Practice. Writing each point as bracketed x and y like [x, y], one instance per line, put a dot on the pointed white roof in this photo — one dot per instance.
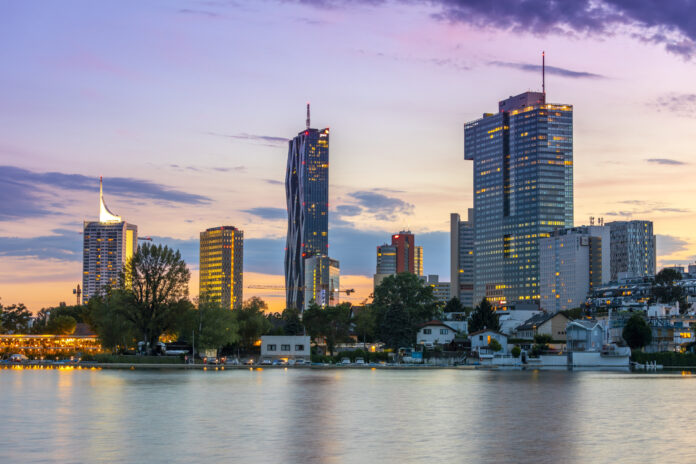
[104, 214]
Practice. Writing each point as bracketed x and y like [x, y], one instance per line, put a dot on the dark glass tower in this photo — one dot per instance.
[523, 190]
[307, 194]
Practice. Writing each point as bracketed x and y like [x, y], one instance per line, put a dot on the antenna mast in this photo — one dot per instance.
[307, 115]
[543, 72]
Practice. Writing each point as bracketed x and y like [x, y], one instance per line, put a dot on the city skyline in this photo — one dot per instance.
[174, 155]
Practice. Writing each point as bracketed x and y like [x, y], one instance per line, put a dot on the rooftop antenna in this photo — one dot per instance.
[307, 115]
[543, 72]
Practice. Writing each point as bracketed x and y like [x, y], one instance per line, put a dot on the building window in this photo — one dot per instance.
[270, 347]
[299, 347]
[480, 338]
[444, 331]
[284, 347]
[427, 331]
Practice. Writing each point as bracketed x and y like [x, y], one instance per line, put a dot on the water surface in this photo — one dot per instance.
[345, 416]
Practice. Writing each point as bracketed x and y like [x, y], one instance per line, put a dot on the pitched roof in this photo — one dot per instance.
[537, 320]
[435, 322]
[487, 330]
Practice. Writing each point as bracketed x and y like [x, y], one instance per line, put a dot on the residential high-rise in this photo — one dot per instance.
[222, 266]
[307, 194]
[322, 281]
[386, 263]
[633, 249]
[523, 190]
[108, 244]
[462, 258]
[418, 261]
[572, 263]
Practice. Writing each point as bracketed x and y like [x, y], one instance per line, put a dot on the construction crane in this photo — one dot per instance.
[149, 239]
[347, 291]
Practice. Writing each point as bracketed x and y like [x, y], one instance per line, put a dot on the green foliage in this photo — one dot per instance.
[495, 345]
[516, 351]
[636, 332]
[484, 317]
[575, 313]
[666, 358]
[666, 290]
[365, 322]
[667, 276]
[543, 339]
[332, 323]
[103, 313]
[61, 325]
[401, 303]
[368, 356]
[212, 325]
[455, 305]
[132, 359]
[154, 283]
[14, 319]
[251, 321]
[292, 325]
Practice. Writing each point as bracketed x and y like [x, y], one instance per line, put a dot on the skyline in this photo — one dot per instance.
[178, 144]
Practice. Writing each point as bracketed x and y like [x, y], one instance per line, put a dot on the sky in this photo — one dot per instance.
[185, 108]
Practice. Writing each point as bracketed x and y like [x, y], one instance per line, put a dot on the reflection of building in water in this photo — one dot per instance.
[47, 345]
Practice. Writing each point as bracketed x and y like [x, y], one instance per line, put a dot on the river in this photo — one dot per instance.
[345, 416]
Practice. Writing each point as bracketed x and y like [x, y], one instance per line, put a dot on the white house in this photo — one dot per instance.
[663, 310]
[481, 339]
[285, 347]
[435, 333]
[585, 335]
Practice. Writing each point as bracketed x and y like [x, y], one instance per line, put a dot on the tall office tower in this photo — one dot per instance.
[462, 258]
[418, 261]
[523, 190]
[386, 263]
[404, 242]
[322, 281]
[108, 244]
[222, 266]
[633, 252]
[572, 263]
[307, 194]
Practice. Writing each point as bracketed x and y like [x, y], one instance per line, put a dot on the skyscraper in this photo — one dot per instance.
[523, 190]
[307, 194]
[572, 262]
[107, 245]
[222, 266]
[401, 256]
[405, 244]
[418, 261]
[386, 263]
[322, 276]
[462, 258]
[633, 249]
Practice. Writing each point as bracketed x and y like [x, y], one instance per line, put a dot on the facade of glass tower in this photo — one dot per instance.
[307, 194]
[222, 266]
[108, 244]
[523, 190]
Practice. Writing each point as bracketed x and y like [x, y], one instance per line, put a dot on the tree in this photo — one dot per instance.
[61, 325]
[401, 303]
[14, 319]
[636, 332]
[292, 325]
[516, 351]
[365, 322]
[484, 317]
[251, 321]
[574, 313]
[495, 345]
[454, 305]
[667, 290]
[212, 326]
[155, 282]
[332, 323]
[105, 317]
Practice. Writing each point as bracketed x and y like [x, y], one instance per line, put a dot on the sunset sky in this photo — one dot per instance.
[185, 108]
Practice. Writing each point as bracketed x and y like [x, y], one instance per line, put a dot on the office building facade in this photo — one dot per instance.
[462, 258]
[633, 249]
[108, 244]
[221, 276]
[523, 190]
[322, 281]
[401, 256]
[572, 263]
[307, 194]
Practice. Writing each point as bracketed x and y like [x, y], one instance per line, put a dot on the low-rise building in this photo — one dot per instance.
[585, 335]
[285, 347]
[553, 324]
[482, 339]
[435, 333]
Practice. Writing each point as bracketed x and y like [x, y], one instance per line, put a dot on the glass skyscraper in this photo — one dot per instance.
[462, 258]
[107, 245]
[222, 266]
[307, 194]
[523, 190]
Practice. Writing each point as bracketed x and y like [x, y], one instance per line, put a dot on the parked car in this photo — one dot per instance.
[345, 361]
[232, 361]
[300, 362]
[249, 362]
[360, 361]
[280, 362]
[266, 362]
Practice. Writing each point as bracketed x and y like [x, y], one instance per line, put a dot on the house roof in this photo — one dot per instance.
[435, 323]
[585, 324]
[537, 320]
[487, 330]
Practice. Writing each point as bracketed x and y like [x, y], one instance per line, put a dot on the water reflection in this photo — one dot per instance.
[346, 416]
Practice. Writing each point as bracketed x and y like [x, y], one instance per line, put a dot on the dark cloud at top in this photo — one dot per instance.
[666, 161]
[267, 212]
[62, 244]
[669, 23]
[536, 68]
[274, 182]
[267, 140]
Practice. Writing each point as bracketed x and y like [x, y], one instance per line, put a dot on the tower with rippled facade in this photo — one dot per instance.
[307, 194]
[523, 190]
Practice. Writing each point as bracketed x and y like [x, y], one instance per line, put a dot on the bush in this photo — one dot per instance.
[515, 351]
